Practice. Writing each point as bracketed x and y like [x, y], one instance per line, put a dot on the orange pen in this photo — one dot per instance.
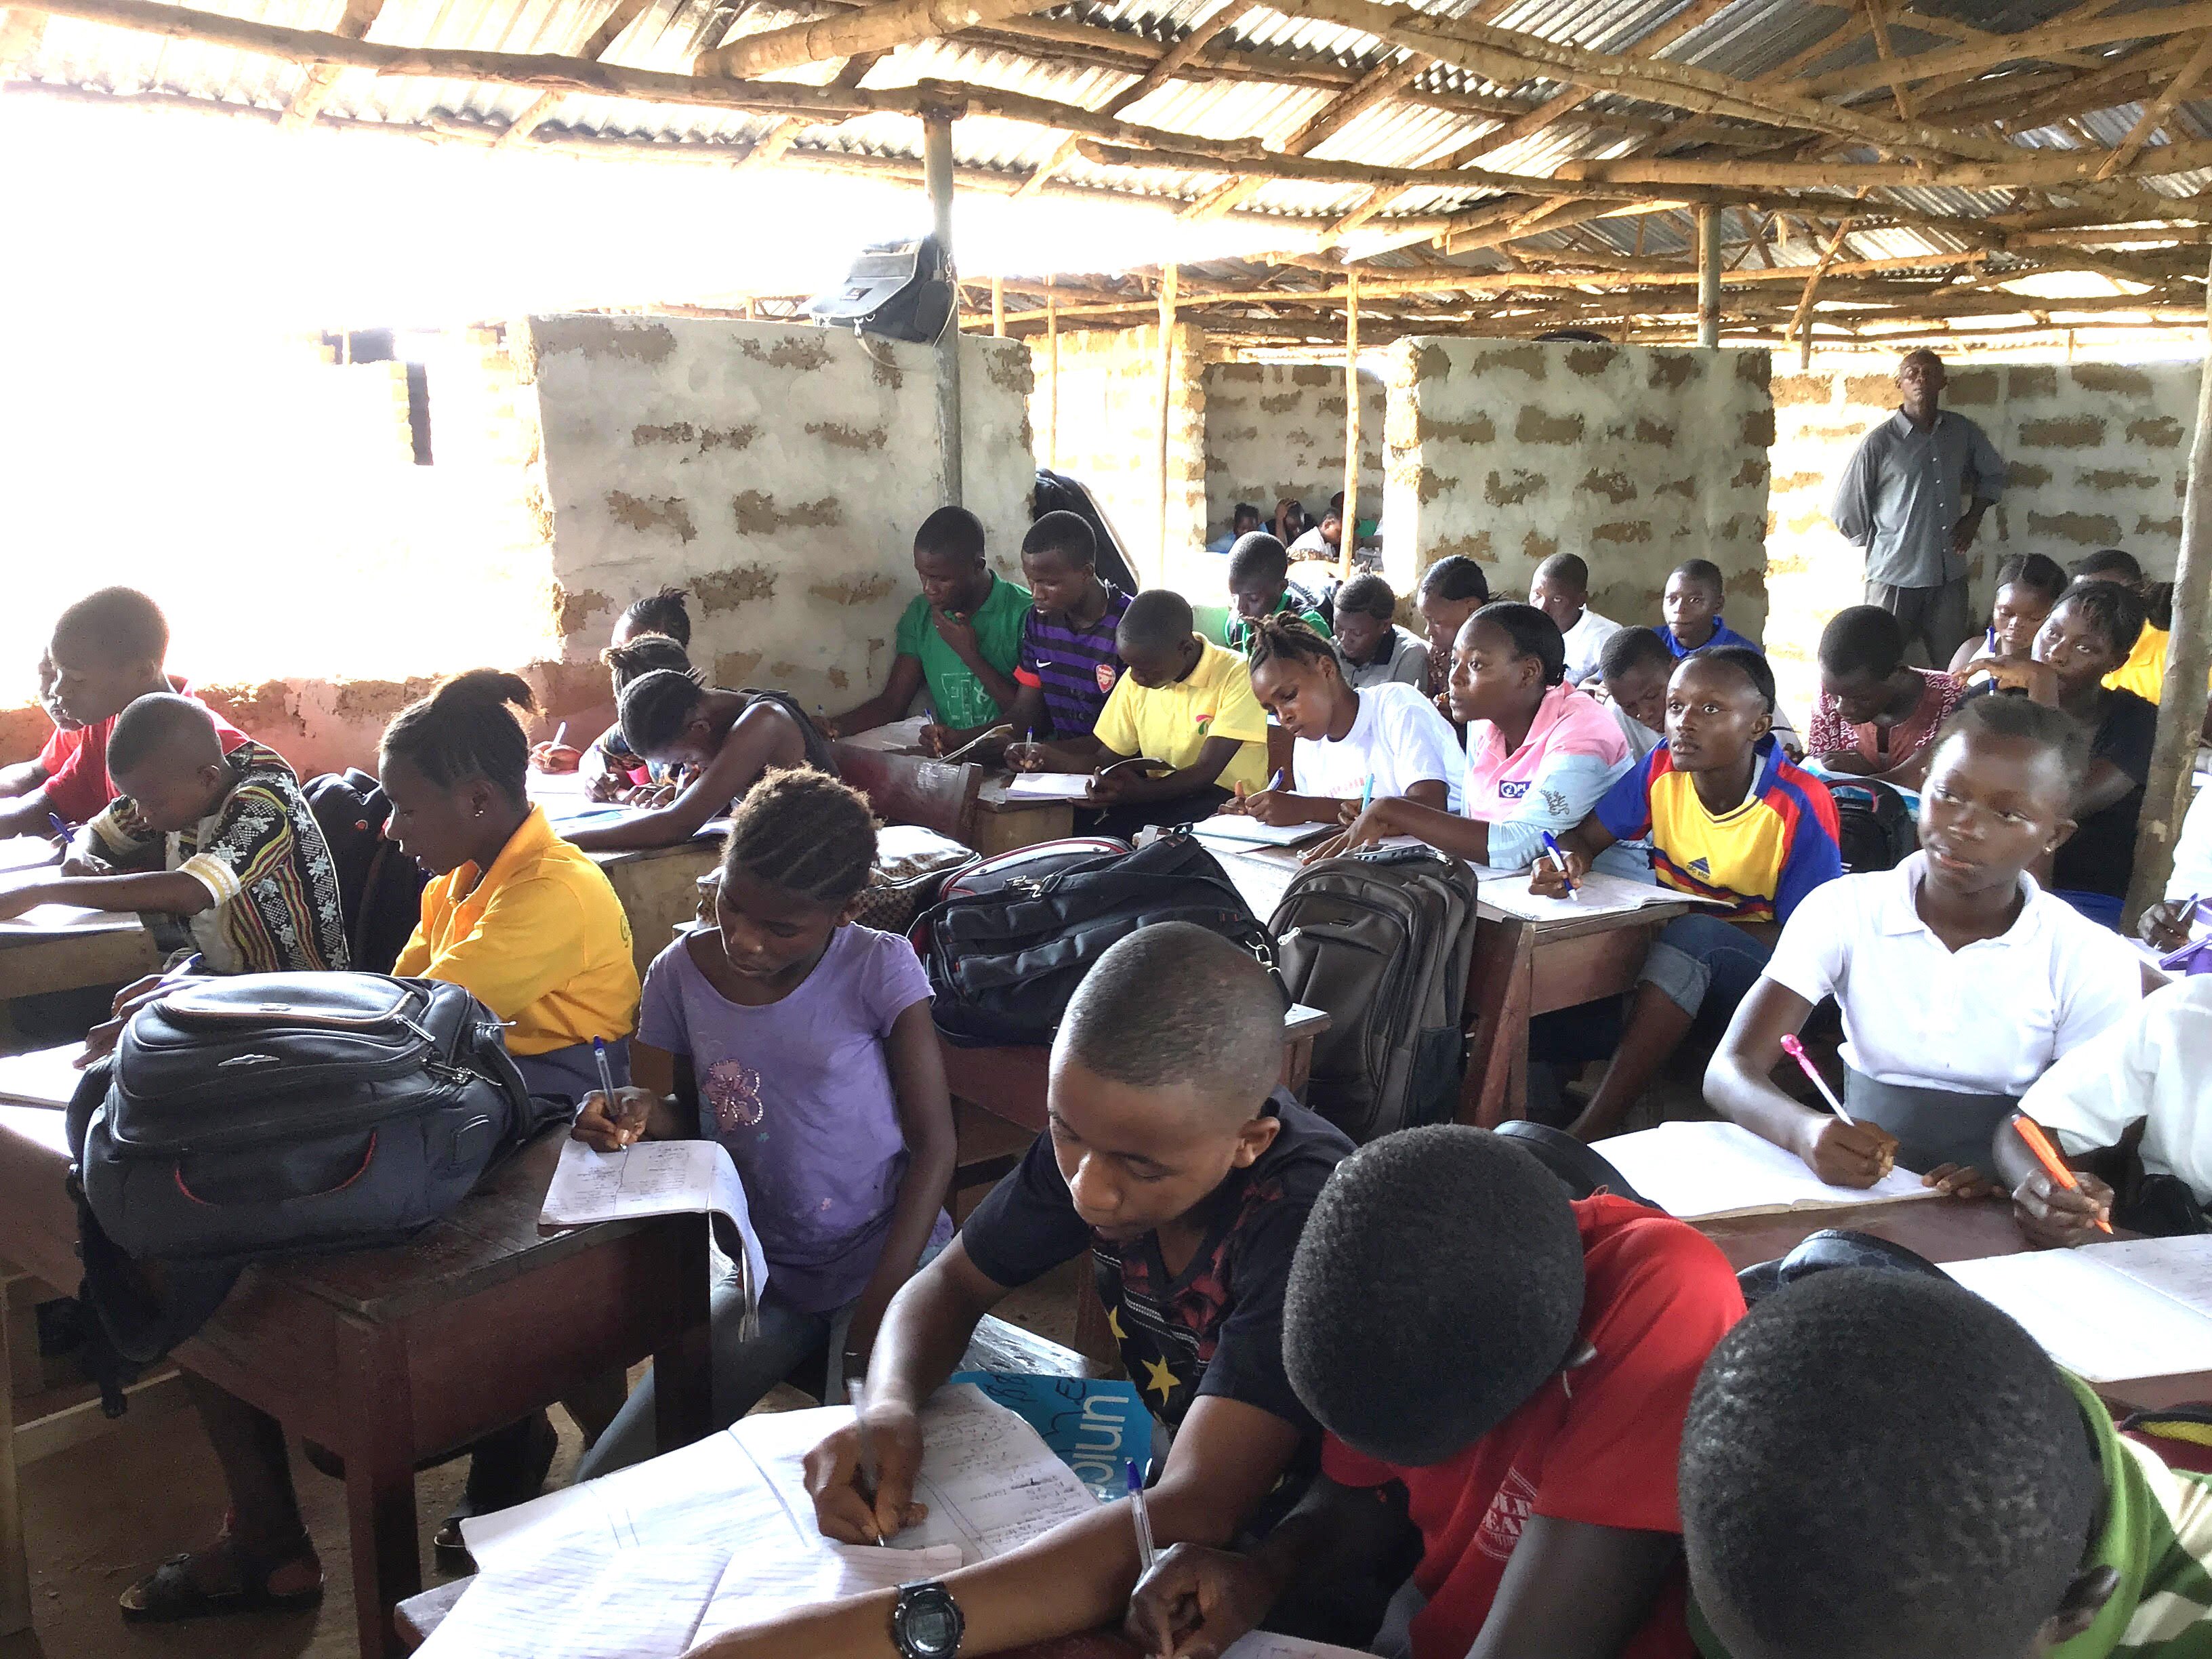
[2047, 1155]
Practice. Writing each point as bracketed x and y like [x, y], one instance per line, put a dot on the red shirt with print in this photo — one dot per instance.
[1597, 1444]
[75, 762]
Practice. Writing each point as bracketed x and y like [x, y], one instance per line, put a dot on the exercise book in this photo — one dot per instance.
[2109, 1313]
[654, 1177]
[1700, 1171]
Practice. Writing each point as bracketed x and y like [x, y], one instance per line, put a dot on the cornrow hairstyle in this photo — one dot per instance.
[803, 831]
[1068, 536]
[646, 654]
[654, 707]
[664, 612]
[1533, 634]
[467, 727]
[1457, 577]
[1258, 557]
[1289, 638]
[1631, 647]
[2116, 611]
[951, 532]
[1747, 662]
[120, 624]
[1703, 572]
[2034, 572]
[156, 723]
[2052, 730]
[1368, 596]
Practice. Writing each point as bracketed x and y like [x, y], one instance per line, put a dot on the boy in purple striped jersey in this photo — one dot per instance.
[1067, 663]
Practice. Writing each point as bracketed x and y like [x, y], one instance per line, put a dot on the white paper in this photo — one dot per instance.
[1265, 1644]
[898, 738]
[2179, 1267]
[2100, 1322]
[581, 1603]
[27, 852]
[654, 1177]
[1240, 828]
[1595, 895]
[1697, 1170]
[43, 1077]
[752, 1591]
[69, 919]
[1048, 786]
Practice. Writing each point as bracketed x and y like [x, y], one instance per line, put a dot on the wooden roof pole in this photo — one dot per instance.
[1347, 532]
[1167, 403]
[2173, 755]
[871, 28]
[596, 46]
[2155, 114]
[1801, 324]
[1708, 277]
[937, 163]
[1387, 77]
[2068, 33]
[315, 86]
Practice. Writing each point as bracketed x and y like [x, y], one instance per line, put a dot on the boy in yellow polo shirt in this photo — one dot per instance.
[1184, 704]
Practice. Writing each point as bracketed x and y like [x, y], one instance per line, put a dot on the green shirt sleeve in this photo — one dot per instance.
[999, 623]
[911, 622]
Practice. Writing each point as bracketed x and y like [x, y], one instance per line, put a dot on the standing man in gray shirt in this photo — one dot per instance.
[1913, 497]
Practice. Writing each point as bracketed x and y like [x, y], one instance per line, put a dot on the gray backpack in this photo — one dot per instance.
[1381, 941]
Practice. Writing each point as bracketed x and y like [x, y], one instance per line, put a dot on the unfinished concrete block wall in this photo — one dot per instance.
[1636, 458]
[1277, 429]
[778, 471]
[1103, 425]
[2097, 455]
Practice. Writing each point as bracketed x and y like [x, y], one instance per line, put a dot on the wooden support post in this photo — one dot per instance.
[1801, 324]
[937, 170]
[2180, 708]
[1708, 277]
[999, 306]
[1052, 371]
[1168, 279]
[1347, 534]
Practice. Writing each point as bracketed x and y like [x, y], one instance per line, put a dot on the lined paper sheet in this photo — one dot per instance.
[43, 1077]
[899, 737]
[654, 1177]
[1698, 1171]
[1597, 895]
[2097, 1318]
[1048, 786]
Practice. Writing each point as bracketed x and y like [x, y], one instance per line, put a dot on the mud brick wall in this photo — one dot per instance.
[777, 471]
[1277, 429]
[1636, 458]
[2097, 455]
[1109, 437]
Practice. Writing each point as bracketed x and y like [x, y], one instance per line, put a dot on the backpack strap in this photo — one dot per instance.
[134, 1325]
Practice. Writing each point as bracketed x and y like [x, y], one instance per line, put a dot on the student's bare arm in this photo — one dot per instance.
[2050, 1217]
[765, 735]
[887, 705]
[21, 778]
[2105, 785]
[925, 1113]
[1226, 1457]
[1200, 774]
[1421, 811]
[1739, 1085]
[27, 814]
[170, 891]
[1575, 1591]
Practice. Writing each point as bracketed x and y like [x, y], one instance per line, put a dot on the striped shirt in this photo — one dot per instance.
[262, 858]
[1759, 858]
[1075, 668]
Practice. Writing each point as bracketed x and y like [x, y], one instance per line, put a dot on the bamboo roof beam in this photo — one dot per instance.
[1933, 22]
[1378, 84]
[2065, 35]
[2041, 168]
[600, 43]
[354, 23]
[871, 28]
[2155, 114]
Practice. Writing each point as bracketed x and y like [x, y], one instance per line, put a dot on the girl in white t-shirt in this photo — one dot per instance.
[1385, 742]
[1960, 979]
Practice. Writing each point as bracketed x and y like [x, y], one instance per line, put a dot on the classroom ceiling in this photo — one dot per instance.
[1500, 167]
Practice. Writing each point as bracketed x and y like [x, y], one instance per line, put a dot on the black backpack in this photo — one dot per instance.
[1013, 937]
[268, 1114]
[1876, 827]
[1381, 941]
[380, 886]
[898, 290]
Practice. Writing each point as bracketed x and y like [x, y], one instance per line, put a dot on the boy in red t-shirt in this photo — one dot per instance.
[1518, 1365]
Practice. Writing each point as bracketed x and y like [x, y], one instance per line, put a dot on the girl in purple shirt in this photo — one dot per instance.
[803, 1042]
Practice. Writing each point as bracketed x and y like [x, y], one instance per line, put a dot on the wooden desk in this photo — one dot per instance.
[1003, 825]
[659, 887]
[389, 1356]
[32, 964]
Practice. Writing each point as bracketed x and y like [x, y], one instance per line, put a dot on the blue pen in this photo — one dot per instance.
[1276, 782]
[1559, 862]
[1143, 1517]
[1367, 795]
[60, 829]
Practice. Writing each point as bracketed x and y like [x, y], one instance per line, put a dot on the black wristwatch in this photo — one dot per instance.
[927, 1622]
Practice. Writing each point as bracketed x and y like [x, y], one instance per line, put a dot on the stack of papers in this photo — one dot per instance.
[2109, 1313]
[1699, 1171]
[899, 737]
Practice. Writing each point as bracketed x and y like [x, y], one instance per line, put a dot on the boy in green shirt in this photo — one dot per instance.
[1259, 586]
[962, 636]
[1883, 1466]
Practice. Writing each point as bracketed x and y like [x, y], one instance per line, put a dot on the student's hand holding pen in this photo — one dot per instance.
[607, 1126]
[2165, 925]
[1275, 806]
[1028, 756]
[606, 786]
[1197, 1602]
[1848, 1154]
[2051, 1218]
[1548, 880]
[846, 1508]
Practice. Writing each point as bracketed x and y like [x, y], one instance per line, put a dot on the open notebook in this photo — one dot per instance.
[2109, 1313]
[1235, 829]
[43, 1077]
[1696, 1172]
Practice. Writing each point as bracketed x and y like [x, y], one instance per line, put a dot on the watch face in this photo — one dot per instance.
[934, 1628]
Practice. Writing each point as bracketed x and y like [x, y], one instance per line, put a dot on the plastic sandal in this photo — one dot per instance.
[170, 1594]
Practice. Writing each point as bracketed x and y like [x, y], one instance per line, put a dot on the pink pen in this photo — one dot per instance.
[1795, 1050]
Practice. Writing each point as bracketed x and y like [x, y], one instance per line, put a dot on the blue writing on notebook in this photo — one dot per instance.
[1095, 1427]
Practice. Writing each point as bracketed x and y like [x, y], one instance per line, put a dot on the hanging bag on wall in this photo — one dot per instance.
[899, 291]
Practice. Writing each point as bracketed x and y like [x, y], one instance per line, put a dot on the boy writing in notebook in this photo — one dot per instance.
[226, 844]
[1182, 715]
[1511, 1367]
[1175, 1160]
[1883, 1466]
[960, 637]
[107, 650]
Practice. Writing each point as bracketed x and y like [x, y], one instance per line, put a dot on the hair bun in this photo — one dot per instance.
[486, 685]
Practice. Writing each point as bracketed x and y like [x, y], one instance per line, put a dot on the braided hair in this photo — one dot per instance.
[467, 727]
[1288, 638]
[644, 655]
[664, 612]
[804, 832]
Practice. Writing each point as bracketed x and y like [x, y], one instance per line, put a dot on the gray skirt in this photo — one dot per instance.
[1932, 1126]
